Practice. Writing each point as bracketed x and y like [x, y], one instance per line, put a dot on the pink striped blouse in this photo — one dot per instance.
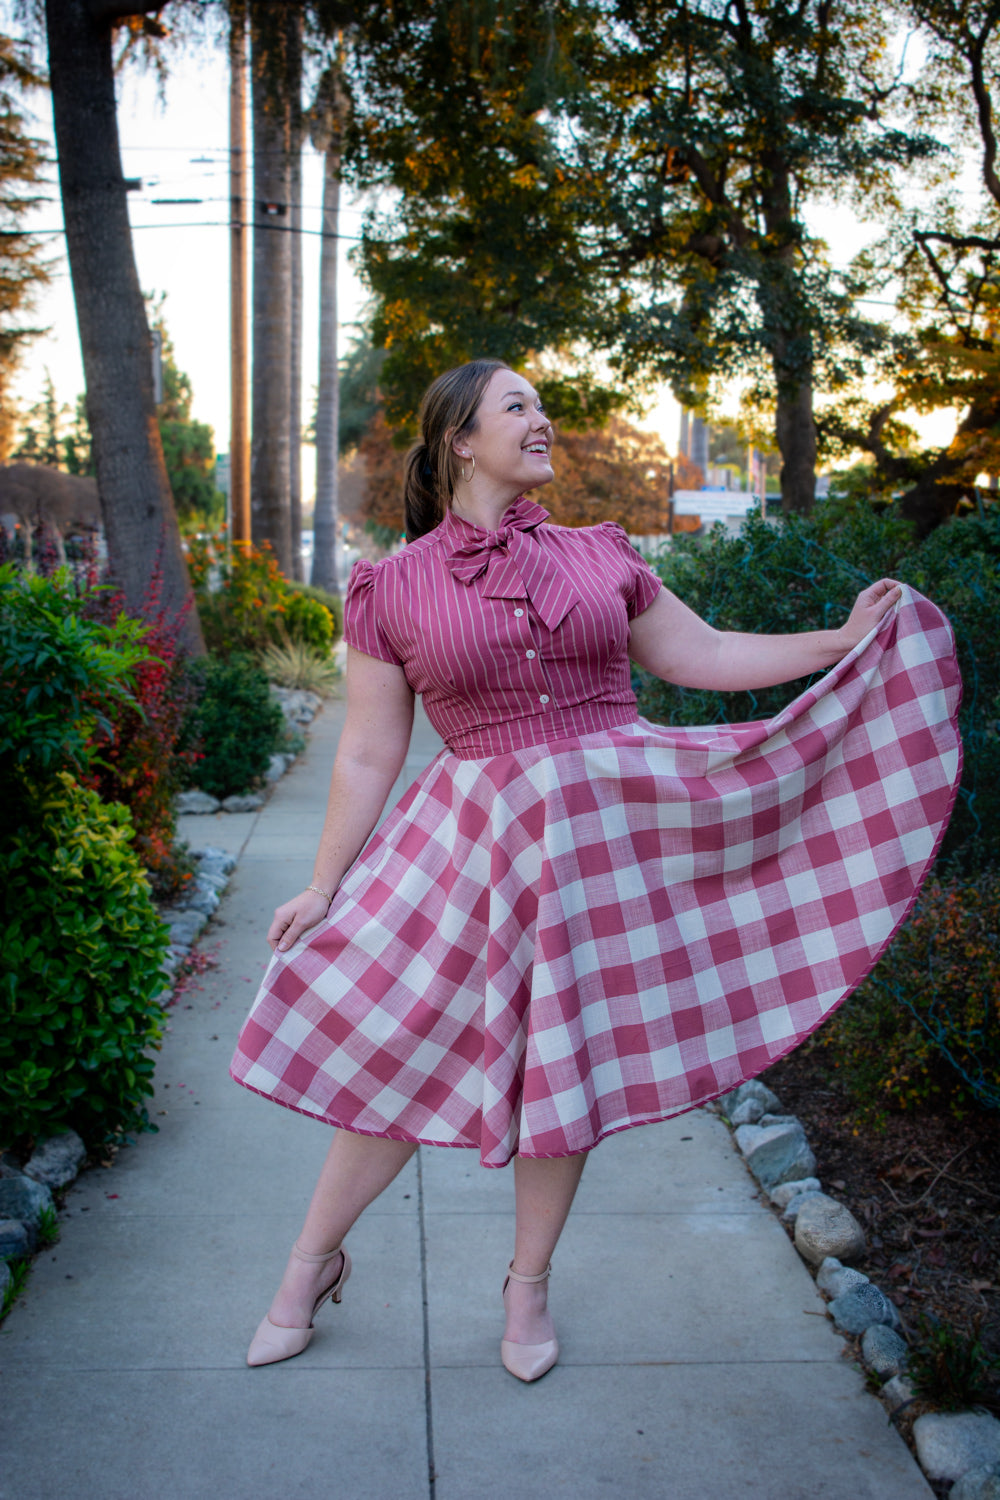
[514, 637]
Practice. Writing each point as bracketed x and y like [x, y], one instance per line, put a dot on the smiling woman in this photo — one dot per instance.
[575, 921]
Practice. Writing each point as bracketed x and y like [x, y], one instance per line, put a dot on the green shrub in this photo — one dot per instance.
[234, 727]
[63, 677]
[924, 1028]
[308, 622]
[79, 969]
[296, 666]
[333, 602]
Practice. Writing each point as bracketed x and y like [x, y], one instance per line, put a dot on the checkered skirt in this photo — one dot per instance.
[544, 947]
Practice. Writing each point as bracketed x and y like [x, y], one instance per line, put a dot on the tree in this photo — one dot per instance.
[946, 260]
[188, 445]
[326, 127]
[41, 434]
[22, 264]
[631, 178]
[139, 519]
[271, 396]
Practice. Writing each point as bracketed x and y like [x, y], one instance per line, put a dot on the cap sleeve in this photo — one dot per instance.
[643, 585]
[362, 629]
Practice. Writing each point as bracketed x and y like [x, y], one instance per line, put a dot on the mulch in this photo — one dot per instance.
[925, 1188]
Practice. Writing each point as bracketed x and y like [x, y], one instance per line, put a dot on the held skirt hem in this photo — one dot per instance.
[543, 948]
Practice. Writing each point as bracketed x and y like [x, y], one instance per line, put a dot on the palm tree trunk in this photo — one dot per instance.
[140, 524]
[327, 125]
[294, 28]
[270, 503]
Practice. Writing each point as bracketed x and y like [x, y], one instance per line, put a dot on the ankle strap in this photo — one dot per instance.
[314, 1260]
[529, 1280]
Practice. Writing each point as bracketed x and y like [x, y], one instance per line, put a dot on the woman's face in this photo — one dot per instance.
[512, 441]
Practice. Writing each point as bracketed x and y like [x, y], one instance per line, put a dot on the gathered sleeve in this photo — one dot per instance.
[643, 585]
[362, 628]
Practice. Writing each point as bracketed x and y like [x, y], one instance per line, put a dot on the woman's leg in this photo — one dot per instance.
[357, 1169]
[544, 1190]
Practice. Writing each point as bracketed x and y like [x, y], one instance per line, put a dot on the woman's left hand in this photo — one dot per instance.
[870, 606]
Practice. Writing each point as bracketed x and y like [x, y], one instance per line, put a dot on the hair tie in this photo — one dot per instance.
[426, 472]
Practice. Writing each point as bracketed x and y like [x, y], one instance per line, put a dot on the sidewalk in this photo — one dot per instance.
[697, 1360]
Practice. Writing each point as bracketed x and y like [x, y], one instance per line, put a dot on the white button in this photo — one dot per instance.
[518, 613]
[530, 655]
[544, 698]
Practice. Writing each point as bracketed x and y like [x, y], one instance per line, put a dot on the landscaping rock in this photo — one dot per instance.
[776, 1153]
[858, 1309]
[896, 1393]
[756, 1095]
[14, 1239]
[171, 962]
[794, 1207]
[211, 880]
[210, 858]
[184, 924]
[277, 766]
[835, 1279]
[25, 1199]
[950, 1444]
[297, 705]
[978, 1484]
[825, 1227]
[249, 802]
[783, 1195]
[201, 897]
[196, 802]
[883, 1350]
[58, 1160]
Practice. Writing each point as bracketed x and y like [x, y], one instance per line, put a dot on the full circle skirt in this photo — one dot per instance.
[541, 948]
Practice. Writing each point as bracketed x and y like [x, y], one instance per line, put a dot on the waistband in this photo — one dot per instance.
[541, 729]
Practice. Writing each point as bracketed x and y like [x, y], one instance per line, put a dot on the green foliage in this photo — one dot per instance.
[79, 969]
[188, 445]
[803, 574]
[297, 666]
[952, 1368]
[245, 603]
[924, 1029]
[333, 602]
[20, 1270]
[48, 1227]
[235, 726]
[309, 622]
[63, 677]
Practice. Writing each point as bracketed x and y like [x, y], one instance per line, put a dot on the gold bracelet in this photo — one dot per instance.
[316, 888]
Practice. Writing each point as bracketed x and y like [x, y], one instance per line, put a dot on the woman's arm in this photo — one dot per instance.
[370, 756]
[674, 643]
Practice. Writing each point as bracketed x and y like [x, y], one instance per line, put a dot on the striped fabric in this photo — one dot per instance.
[551, 942]
[515, 637]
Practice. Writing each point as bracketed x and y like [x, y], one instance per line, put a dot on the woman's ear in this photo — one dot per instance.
[459, 444]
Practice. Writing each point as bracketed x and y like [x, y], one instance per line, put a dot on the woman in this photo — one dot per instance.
[574, 921]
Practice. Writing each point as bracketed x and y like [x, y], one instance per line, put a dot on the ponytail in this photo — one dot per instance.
[448, 409]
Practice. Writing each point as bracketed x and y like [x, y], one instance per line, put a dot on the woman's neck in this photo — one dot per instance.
[481, 509]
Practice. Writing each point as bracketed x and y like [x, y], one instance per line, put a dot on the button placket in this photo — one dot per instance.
[539, 684]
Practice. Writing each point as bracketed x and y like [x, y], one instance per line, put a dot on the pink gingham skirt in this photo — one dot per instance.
[544, 947]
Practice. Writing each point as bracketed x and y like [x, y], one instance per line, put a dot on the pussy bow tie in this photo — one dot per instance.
[517, 565]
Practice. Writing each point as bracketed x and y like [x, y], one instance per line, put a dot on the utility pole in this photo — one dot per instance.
[239, 379]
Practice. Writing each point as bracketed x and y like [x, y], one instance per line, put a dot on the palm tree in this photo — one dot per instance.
[139, 521]
[326, 126]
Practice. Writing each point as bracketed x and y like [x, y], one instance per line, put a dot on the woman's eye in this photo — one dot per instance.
[515, 406]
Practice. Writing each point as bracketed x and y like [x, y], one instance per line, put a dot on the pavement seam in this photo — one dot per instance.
[428, 1400]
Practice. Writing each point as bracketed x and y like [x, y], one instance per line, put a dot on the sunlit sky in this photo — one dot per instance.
[176, 142]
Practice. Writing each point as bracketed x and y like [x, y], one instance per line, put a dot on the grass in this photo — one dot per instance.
[296, 666]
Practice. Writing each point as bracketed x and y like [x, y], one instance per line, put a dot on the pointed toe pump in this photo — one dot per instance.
[272, 1342]
[528, 1361]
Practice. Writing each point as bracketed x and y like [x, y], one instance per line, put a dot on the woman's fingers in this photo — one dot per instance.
[295, 918]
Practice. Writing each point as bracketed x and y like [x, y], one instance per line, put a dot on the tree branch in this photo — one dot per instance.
[984, 107]
[109, 12]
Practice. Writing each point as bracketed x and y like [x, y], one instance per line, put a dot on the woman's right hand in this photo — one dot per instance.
[295, 918]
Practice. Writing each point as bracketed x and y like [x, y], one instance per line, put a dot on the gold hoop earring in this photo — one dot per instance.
[468, 478]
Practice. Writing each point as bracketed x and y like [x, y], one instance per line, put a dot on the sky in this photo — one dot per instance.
[175, 140]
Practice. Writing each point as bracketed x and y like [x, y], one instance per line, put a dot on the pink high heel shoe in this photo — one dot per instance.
[272, 1342]
[528, 1361]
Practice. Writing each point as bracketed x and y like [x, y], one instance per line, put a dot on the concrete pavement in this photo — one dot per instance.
[697, 1359]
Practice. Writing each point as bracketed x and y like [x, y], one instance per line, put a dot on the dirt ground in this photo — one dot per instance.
[926, 1190]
